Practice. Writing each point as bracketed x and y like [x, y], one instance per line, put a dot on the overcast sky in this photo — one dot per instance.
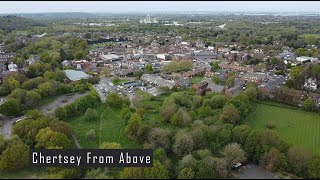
[143, 6]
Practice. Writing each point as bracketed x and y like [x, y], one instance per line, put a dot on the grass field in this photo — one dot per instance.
[109, 128]
[312, 35]
[294, 126]
[196, 79]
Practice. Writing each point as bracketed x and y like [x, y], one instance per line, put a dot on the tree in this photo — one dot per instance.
[114, 100]
[11, 107]
[220, 166]
[91, 135]
[19, 94]
[158, 171]
[181, 118]
[60, 75]
[47, 89]
[91, 115]
[204, 171]
[314, 167]
[98, 173]
[133, 126]
[240, 133]
[110, 145]
[252, 93]
[309, 104]
[183, 144]
[298, 159]
[148, 68]
[63, 173]
[115, 81]
[159, 138]
[61, 113]
[49, 75]
[187, 161]
[12, 83]
[94, 79]
[230, 114]
[230, 81]
[186, 173]
[79, 55]
[271, 160]
[46, 138]
[15, 157]
[32, 99]
[61, 127]
[168, 108]
[233, 153]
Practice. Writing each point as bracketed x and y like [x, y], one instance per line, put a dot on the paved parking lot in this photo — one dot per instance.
[255, 172]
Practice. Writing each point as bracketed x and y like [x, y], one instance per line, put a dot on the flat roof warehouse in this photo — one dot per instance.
[76, 75]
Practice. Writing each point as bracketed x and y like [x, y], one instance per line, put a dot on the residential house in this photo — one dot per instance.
[183, 82]
[33, 60]
[234, 90]
[13, 67]
[205, 55]
[6, 57]
[236, 68]
[157, 80]
[81, 64]
[311, 84]
[195, 72]
[255, 77]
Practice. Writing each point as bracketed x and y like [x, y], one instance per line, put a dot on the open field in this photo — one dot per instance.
[311, 35]
[109, 128]
[294, 126]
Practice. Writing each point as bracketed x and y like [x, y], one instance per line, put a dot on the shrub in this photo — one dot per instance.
[270, 125]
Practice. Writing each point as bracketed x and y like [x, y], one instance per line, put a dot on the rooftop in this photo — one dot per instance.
[76, 75]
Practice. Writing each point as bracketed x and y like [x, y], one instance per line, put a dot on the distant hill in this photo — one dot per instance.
[56, 15]
[10, 23]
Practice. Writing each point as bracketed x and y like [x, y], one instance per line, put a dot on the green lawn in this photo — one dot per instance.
[294, 126]
[196, 79]
[109, 128]
[312, 35]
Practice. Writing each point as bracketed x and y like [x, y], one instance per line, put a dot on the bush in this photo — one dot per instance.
[91, 135]
[270, 125]
[91, 115]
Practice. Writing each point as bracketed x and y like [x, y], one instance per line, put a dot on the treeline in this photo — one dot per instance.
[25, 94]
[79, 106]
[10, 23]
[204, 137]
[176, 66]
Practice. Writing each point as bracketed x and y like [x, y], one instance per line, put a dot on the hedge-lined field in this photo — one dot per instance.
[294, 126]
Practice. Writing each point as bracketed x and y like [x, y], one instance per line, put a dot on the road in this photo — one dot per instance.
[49, 108]
[7, 124]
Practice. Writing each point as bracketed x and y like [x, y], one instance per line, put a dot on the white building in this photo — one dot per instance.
[148, 20]
[304, 58]
[13, 67]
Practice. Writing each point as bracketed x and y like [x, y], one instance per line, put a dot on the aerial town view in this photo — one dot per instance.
[227, 90]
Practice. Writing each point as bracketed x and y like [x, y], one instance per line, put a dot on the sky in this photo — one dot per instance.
[149, 6]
